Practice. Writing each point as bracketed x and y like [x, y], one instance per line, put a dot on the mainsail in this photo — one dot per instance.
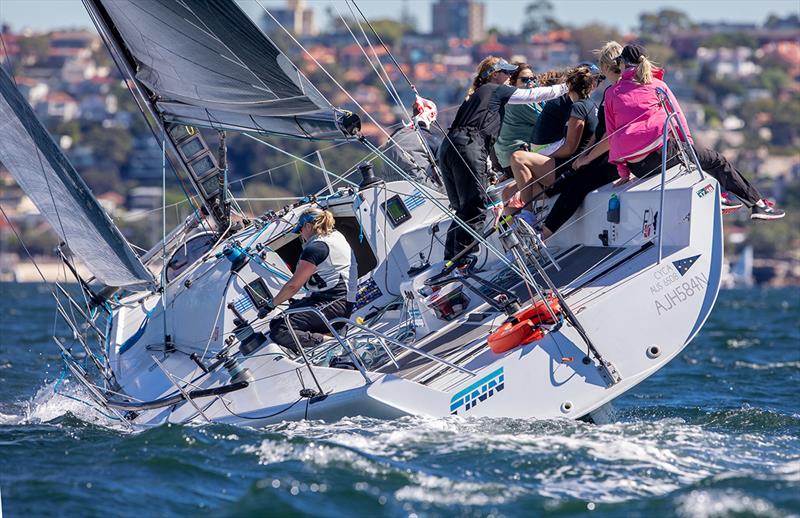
[207, 64]
[46, 176]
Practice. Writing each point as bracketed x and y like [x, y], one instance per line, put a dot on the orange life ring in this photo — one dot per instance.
[510, 335]
[538, 313]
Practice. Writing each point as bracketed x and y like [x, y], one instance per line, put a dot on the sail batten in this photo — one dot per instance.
[46, 176]
[209, 61]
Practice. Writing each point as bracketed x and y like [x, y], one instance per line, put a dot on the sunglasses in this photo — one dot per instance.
[527, 80]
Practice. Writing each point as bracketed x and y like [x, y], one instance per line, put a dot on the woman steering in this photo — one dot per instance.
[328, 270]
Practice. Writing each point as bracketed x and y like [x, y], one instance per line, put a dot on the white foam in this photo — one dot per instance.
[47, 405]
[716, 503]
[768, 365]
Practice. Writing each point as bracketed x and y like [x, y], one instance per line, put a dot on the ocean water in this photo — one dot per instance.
[715, 433]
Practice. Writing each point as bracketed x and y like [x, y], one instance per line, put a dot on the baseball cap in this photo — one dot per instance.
[306, 217]
[593, 69]
[501, 64]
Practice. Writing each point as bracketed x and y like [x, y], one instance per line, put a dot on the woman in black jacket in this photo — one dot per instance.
[463, 154]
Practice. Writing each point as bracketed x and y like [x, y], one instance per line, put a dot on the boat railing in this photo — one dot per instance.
[672, 117]
[359, 364]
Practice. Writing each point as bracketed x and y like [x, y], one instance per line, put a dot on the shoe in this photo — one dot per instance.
[768, 211]
[729, 206]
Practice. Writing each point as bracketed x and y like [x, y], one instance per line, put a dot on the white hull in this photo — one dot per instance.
[638, 313]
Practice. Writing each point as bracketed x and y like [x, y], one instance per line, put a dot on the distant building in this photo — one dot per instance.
[59, 106]
[464, 19]
[144, 163]
[144, 198]
[296, 17]
[732, 63]
[33, 90]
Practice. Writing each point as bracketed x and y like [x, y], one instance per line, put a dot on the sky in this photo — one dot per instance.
[46, 15]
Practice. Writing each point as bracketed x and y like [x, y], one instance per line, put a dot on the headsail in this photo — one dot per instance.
[209, 65]
[46, 176]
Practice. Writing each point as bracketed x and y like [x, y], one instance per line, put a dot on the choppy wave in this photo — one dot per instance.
[716, 433]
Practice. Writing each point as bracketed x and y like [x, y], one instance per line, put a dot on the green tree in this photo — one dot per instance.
[540, 17]
[391, 31]
[662, 24]
[34, 48]
[774, 80]
[730, 40]
[112, 144]
[592, 36]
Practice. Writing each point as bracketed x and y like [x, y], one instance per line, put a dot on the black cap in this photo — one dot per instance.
[632, 53]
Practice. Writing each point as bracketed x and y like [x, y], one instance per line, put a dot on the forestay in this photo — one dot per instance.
[47, 177]
[209, 65]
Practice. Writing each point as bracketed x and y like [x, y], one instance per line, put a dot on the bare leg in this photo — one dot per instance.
[531, 173]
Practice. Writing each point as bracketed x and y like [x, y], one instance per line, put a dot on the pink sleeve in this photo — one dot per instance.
[611, 128]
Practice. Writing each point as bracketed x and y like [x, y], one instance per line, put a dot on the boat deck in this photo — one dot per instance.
[466, 338]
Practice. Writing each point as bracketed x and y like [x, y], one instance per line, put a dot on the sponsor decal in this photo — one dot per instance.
[478, 392]
[708, 189]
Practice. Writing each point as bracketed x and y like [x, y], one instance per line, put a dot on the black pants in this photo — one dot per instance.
[308, 327]
[712, 163]
[575, 185]
[465, 184]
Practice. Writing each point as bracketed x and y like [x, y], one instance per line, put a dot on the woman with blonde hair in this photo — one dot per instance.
[327, 269]
[635, 123]
[463, 154]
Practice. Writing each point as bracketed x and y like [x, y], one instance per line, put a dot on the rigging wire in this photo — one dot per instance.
[435, 122]
[459, 222]
[164, 228]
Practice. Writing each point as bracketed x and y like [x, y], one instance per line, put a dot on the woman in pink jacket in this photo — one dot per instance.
[635, 125]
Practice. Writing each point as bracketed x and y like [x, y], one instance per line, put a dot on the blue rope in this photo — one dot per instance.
[270, 269]
[356, 206]
[258, 234]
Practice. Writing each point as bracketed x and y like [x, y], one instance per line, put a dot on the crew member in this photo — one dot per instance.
[463, 154]
[413, 148]
[635, 124]
[328, 270]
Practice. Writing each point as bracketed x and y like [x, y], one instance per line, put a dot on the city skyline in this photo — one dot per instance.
[44, 15]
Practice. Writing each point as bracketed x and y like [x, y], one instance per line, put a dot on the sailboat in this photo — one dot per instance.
[180, 334]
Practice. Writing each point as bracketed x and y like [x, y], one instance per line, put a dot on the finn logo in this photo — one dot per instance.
[684, 264]
[478, 392]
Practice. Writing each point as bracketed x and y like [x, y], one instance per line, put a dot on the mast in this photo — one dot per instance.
[146, 102]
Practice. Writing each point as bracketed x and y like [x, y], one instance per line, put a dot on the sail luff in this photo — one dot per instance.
[63, 198]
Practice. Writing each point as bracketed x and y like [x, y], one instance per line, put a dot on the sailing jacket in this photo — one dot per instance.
[635, 118]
